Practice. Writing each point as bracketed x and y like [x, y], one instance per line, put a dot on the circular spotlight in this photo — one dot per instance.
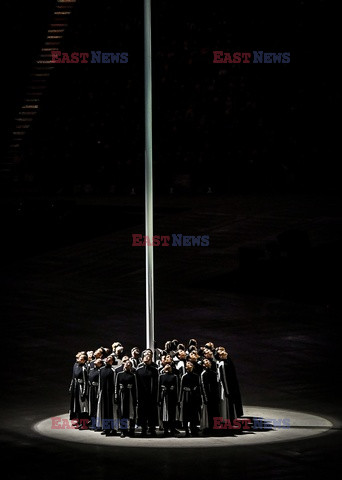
[268, 425]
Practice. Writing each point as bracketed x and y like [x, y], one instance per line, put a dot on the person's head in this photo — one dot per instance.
[207, 363]
[115, 345]
[208, 353]
[181, 354]
[168, 346]
[210, 345]
[98, 363]
[174, 344]
[223, 355]
[128, 365]
[119, 351]
[181, 346]
[193, 357]
[218, 349]
[109, 360]
[106, 351]
[162, 360]
[90, 354]
[147, 358]
[98, 353]
[168, 359]
[82, 352]
[192, 348]
[189, 367]
[135, 352]
[192, 341]
[200, 351]
[167, 368]
[125, 358]
[82, 358]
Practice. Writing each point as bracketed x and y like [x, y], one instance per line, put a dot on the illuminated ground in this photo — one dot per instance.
[301, 426]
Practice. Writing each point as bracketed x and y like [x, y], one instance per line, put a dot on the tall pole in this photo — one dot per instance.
[148, 177]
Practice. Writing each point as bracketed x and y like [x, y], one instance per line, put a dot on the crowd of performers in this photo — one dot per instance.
[178, 387]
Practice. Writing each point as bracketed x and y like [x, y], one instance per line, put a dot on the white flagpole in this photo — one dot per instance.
[148, 177]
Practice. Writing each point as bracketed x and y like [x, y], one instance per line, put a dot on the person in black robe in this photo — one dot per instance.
[147, 381]
[190, 400]
[126, 398]
[105, 404]
[93, 383]
[210, 397]
[230, 397]
[79, 408]
[117, 369]
[168, 399]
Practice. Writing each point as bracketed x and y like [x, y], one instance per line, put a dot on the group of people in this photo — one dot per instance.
[174, 388]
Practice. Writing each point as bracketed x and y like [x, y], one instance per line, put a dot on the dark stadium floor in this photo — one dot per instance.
[279, 317]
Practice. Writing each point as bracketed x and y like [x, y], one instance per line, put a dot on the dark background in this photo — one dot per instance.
[263, 138]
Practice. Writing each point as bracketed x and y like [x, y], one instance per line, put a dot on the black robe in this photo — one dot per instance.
[126, 395]
[79, 390]
[93, 382]
[190, 399]
[168, 397]
[210, 398]
[105, 406]
[230, 397]
[147, 381]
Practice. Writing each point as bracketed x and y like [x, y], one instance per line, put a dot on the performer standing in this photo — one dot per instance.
[210, 397]
[230, 398]
[93, 382]
[190, 400]
[168, 399]
[78, 389]
[126, 398]
[147, 381]
[105, 405]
